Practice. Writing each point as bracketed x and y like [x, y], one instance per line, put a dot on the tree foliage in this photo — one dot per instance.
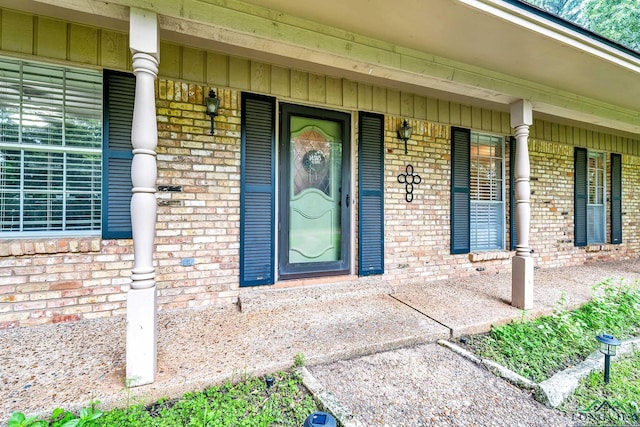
[566, 9]
[617, 20]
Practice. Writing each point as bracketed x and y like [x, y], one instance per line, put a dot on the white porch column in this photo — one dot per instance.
[141, 299]
[522, 262]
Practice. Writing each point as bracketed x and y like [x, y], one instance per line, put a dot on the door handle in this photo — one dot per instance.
[347, 201]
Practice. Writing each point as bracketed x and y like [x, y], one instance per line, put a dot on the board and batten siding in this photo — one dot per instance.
[63, 42]
[55, 40]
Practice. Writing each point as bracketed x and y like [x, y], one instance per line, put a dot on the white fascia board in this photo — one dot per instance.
[556, 31]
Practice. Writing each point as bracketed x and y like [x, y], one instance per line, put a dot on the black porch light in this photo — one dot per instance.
[404, 133]
[213, 103]
[608, 346]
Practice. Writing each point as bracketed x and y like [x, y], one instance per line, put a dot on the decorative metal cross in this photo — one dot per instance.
[409, 179]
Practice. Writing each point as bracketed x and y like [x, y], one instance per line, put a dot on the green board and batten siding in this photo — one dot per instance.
[52, 39]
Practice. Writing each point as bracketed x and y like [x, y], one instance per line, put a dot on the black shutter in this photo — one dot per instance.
[513, 232]
[616, 198]
[371, 195]
[460, 190]
[580, 196]
[257, 193]
[119, 94]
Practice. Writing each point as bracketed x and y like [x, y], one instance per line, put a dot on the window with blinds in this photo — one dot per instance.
[596, 190]
[50, 149]
[487, 216]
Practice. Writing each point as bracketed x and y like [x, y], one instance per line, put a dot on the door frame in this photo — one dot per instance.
[317, 269]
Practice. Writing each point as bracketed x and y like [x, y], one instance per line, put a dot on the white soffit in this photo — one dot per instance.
[562, 33]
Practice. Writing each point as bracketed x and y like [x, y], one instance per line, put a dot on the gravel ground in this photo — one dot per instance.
[50, 365]
[429, 385]
[69, 365]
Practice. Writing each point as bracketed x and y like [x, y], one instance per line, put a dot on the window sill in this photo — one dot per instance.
[488, 256]
[605, 247]
[21, 247]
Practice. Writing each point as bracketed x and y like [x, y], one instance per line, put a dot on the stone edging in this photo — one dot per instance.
[327, 401]
[492, 366]
[555, 390]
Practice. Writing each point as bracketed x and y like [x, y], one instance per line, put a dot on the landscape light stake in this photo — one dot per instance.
[318, 419]
[608, 345]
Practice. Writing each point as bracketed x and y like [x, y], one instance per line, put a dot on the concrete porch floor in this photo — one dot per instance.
[69, 365]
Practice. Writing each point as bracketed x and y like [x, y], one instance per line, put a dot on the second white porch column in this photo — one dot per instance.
[522, 262]
[141, 299]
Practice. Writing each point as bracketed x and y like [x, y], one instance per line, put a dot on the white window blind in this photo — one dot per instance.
[50, 149]
[596, 187]
[487, 217]
[487, 225]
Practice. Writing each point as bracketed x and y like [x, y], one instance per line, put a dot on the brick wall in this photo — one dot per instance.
[51, 281]
[631, 205]
[552, 231]
[551, 235]
[197, 239]
[200, 223]
[418, 244]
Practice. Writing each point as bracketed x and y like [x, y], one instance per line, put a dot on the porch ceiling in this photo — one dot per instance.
[490, 34]
[481, 33]
[480, 52]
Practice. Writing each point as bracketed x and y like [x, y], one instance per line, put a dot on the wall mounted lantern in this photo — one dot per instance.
[213, 103]
[404, 133]
[608, 345]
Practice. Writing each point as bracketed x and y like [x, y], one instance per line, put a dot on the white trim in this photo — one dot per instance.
[276, 192]
[353, 248]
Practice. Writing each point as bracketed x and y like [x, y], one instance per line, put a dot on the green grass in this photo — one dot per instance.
[622, 393]
[537, 349]
[247, 403]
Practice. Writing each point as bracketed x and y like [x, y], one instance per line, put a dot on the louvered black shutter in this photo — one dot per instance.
[257, 198]
[371, 195]
[616, 198]
[119, 93]
[513, 232]
[460, 190]
[580, 196]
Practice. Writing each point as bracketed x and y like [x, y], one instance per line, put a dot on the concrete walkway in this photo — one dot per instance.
[71, 364]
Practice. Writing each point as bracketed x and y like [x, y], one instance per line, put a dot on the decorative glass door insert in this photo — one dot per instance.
[314, 228]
